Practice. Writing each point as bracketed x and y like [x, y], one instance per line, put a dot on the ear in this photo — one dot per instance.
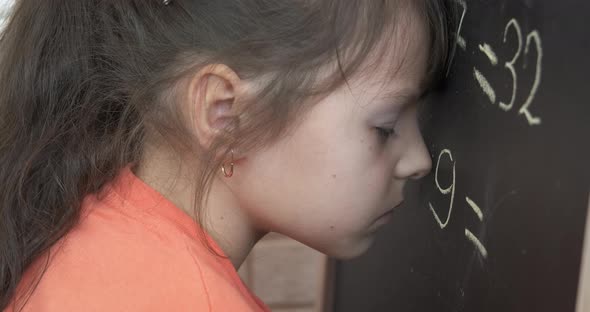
[212, 96]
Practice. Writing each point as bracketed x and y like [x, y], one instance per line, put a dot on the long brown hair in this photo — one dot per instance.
[85, 84]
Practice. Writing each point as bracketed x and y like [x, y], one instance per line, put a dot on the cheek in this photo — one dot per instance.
[345, 184]
[318, 187]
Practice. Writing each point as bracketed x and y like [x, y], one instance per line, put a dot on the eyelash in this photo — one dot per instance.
[385, 133]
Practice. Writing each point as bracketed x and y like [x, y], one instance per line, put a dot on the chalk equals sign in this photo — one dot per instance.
[480, 247]
[480, 78]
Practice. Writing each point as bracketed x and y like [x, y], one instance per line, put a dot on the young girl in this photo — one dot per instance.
[146, 146]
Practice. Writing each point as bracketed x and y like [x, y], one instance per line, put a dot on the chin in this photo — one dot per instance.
[351, 250]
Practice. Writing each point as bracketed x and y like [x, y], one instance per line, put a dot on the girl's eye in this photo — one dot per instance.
[385, 133]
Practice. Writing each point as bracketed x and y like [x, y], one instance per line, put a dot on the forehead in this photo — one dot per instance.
[400, 59]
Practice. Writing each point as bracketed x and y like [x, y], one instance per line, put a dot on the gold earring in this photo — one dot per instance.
[231, 166]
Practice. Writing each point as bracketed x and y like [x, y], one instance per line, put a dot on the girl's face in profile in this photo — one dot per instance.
[330, 181]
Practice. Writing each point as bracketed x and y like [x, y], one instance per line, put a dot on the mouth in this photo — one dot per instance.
[390, 211]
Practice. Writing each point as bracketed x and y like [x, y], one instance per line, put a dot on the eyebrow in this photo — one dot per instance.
[403, 96]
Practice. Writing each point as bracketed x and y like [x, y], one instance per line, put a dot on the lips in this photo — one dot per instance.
[392, 209]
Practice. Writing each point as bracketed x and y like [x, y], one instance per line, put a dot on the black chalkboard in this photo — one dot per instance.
[510, 138]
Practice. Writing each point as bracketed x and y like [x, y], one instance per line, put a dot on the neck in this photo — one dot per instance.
[221, 216]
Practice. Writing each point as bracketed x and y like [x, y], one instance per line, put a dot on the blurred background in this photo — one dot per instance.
[287, 275]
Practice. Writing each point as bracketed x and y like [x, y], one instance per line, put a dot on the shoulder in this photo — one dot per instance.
[122, 258]
[113, 262]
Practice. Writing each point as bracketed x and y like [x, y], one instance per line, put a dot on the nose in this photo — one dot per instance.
[415, 161]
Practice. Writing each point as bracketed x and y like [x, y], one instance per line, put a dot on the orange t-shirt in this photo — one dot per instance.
[134, 250]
